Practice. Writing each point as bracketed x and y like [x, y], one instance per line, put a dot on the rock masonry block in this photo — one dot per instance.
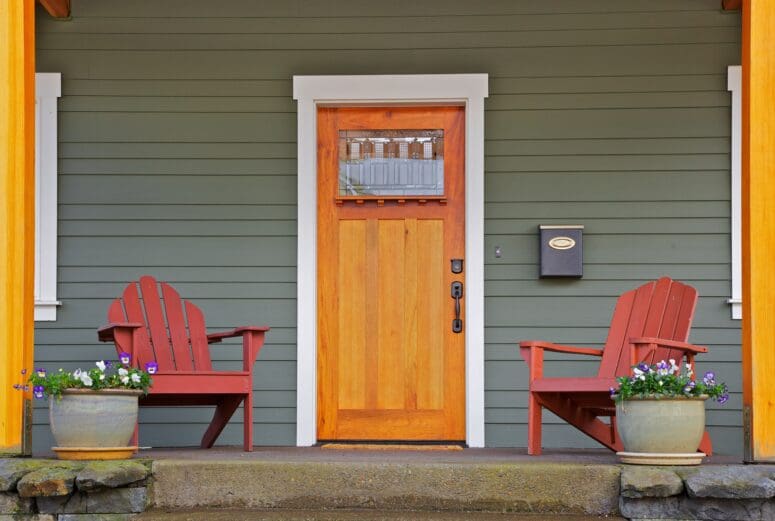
[50, 481]
[110, 474]
[640, 482]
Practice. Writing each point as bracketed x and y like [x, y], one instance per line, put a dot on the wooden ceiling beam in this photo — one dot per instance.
[57, 8]
[731, 5]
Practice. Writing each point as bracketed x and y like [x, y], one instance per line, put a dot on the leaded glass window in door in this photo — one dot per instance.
[391, 163]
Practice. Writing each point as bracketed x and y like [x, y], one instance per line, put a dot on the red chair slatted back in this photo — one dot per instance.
[662, 309]
[166, 339]
[198, 333]
[177, 328]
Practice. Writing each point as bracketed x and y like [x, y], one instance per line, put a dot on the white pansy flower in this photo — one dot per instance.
[86, 379]
[102, 376]
[136, 378]
[124, 380]
[122, 372]
[101, 365]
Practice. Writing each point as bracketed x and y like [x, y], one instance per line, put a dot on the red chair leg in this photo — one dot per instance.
[223, 412]
[247, 420]
[134, 441]
[533, 426]
[706, 445]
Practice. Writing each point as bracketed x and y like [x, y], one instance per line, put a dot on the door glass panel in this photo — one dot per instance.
[391, 163]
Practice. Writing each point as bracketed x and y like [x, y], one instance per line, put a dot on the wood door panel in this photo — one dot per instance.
[352, 290]
[432, 302]
[390, 315]
[391, 425]
[389, 366]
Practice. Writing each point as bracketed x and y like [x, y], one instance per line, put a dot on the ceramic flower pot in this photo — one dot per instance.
[669, 427]
[94, 424]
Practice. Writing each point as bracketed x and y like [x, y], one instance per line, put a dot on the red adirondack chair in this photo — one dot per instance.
[650, 323]
[185, 374]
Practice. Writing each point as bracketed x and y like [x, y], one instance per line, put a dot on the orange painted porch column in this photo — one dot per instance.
[758, 156]
[17, 214]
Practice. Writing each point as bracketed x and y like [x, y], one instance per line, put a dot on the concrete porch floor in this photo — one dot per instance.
[470, 456]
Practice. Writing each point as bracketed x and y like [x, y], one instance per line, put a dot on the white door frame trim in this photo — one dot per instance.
[468, 90]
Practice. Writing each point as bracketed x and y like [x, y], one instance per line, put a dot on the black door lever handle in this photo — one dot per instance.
[457, 294]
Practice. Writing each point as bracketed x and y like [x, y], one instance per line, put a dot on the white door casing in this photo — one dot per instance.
[468, 90]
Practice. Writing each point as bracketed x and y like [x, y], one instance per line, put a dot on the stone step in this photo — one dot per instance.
[517, 487]
[353, 515]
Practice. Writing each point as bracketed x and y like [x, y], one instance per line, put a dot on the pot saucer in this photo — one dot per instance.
[661, 458]
[94, 453]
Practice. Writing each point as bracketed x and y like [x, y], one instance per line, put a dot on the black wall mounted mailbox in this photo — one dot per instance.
[561, 250]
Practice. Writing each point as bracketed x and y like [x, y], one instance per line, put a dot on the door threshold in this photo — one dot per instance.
[392, 445]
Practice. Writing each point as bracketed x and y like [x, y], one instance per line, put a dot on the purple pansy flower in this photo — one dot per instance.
[723, 398]
[612, 391]
[41, 372]
[709, 378]
[37, 391]
[644, 367]
[124, 357]
[151, 367]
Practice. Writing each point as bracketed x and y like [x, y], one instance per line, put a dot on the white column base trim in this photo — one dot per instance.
[46, 311]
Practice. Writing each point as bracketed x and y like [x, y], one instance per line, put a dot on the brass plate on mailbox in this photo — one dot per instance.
[562, 243]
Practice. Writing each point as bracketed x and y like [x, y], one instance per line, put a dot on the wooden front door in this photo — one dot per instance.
[390, 220]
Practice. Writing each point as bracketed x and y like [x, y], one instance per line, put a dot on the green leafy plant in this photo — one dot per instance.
[668, 380]
[105, 375]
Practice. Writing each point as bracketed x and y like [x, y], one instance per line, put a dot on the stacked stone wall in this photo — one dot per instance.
[47, 490]
[711, 492]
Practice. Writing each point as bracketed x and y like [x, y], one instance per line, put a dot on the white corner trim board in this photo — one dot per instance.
[468, 90]
[48, 88]
[735, 86]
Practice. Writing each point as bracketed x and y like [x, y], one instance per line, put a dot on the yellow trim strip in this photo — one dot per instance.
[758, 156]
[17, 207]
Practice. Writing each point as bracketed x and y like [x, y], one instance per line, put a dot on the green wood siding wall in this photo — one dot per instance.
[178, 158]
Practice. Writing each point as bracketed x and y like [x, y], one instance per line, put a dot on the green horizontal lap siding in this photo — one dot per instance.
[178, 158]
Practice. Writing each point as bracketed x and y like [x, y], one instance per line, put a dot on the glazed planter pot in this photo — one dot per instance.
[90, 424]
[661, 430]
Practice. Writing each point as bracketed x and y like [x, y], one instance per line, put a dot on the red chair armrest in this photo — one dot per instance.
[559, 348]
[252, 341]
[213, 338]
[672, 344]
[532, 352]
[107, 332]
